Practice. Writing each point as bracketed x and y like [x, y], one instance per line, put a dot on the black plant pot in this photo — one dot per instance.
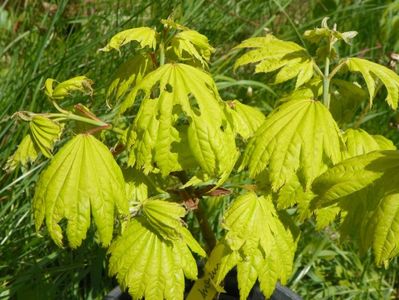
[231, 288]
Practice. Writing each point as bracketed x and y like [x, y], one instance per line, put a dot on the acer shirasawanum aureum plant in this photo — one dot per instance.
[169, 143]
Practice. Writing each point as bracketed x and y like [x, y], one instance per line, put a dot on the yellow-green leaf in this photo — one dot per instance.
[63, 89]
[26, 152]
[359, 142]
[377, 168]
[191, 45]
[371, 72]
[271, 54]
[164, 217]
[181, 114]
[127, 76]
[261, 247]
[245, 119]
[150, 266]
[145, 36]
[82, 179]
[44, 133]
[300, 137]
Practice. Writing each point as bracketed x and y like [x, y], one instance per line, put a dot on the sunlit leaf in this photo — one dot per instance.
[189, 44]
[164, 217]
[372, 72]
[145, 36]
[246, 119]
[150, 266]
[288, 59]
[82, 179]
[44, 133]
[181, 114]
[257, 242]
[26, 152]
[300, 137]
[127, 76]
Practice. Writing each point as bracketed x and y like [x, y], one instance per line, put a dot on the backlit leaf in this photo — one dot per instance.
[258, 243]
[145, 36]
[271, 54]
[150, 266]
[246, 119]
[44, 133]
[359, 142]
[181, 114]
[82, 179]
[300, 137]
[127, 76]
[189, 44]
[371, 72]
[26, 152]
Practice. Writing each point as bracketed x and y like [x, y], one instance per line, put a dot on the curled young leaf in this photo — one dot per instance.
[145, 36]
[329, 35]
[44, 132]
[63, 89]
[82, 179]
[26, 152]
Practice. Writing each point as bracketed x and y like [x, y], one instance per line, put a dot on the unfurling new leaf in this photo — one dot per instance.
[43, 133]
[63, 89]
[82, 179]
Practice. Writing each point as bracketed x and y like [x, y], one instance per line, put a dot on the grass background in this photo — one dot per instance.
[59, 39]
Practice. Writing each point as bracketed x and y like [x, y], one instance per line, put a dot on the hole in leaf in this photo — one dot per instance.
[194, 104]
[168, 88]
[155, 91]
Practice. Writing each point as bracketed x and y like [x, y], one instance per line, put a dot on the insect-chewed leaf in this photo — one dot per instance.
[145, 36]
[181, 111]
[371, 72]
[63, 89]
[128, 75]
[26, 152]
[150, 266]
[82, 179]
[359, 142]
[164, 217]
[271, 54]
[257, 242]
[377, 168]
[44, 133]
[245, 119]
[300, 137]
